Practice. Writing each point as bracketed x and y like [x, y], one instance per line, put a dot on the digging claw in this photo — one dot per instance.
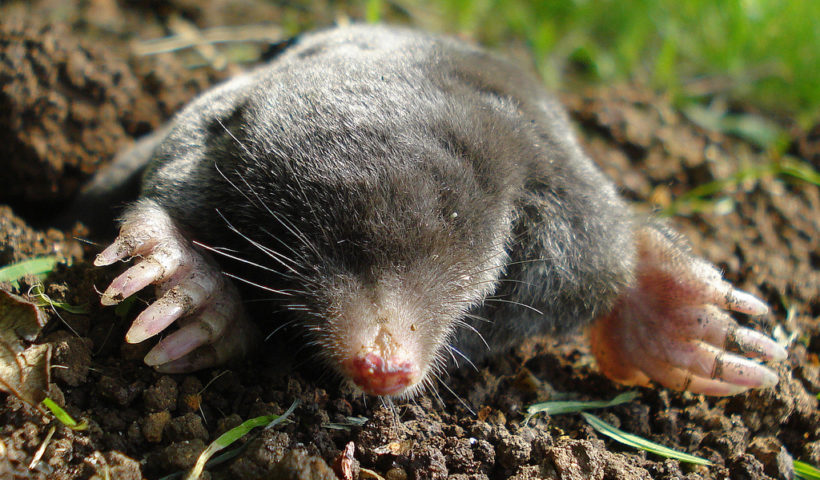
[192, 291]
[679, 338]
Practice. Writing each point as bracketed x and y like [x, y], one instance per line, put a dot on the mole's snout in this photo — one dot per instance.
[378, 376]
[380, 341]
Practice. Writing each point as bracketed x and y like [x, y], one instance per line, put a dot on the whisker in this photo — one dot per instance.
[285, 244]
[478, 317]
[244, 147]
[454, 394]
[431, 386]
[285, 222]
[513, 302]
[455, 360]
[306, 201]
[237, 258]
[280, 327]
[263, 287]
[275, 299]
[388, 403]
[508, 264]
[467, 359]
[225, 177]
[500, 280]
[466, 325]
[297, 307]
[258, 204]
[271, 253]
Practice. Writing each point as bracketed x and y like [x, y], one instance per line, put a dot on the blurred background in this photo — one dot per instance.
[764, 52]
[749, 69]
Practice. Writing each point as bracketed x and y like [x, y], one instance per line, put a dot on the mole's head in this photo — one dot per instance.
[382, 260]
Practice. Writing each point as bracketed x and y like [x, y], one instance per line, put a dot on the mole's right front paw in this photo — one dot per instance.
[190, 288]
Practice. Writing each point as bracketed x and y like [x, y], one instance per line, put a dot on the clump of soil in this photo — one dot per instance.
[69, 105]
[73, 94]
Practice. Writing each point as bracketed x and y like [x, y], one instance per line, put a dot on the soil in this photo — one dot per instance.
[74, 93]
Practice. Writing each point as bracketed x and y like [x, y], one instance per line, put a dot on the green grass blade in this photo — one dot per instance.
[800, 170]
[575, 406]
[699, 198]
[226, 456]
[63, 416]
[639, 442]
[804, 470]
[44, 300]
[234, 434]
[35, 266]
[373, 11]
[347, 424]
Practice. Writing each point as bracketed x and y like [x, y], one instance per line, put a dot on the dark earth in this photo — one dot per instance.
[74, 92]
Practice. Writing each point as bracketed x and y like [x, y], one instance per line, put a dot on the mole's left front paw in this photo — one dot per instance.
[192, 292]
[671, 327]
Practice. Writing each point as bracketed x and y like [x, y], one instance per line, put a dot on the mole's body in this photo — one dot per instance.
[378, 185]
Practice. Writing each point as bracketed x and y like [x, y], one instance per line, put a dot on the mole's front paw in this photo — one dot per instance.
[190, 289]
[671, 327]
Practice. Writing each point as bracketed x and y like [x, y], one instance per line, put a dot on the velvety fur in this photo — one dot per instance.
[376, 159]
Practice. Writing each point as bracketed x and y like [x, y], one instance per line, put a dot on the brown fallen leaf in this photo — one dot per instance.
[24, 371]
[19, 318]
[343, 465]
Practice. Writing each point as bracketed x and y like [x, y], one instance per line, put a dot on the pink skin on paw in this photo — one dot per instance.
[668, 328]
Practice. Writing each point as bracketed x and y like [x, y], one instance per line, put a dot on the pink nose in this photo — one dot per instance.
[376, 376]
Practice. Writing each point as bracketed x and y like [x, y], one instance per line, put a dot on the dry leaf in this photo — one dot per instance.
[19, 318]
[24, 371]
[344, 463]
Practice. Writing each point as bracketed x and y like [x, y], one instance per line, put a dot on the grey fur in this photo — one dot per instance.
[406, 159]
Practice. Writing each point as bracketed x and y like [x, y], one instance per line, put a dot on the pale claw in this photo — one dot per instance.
[144, 226]
[743, 302]
[235, 342]
[679, 379]
[668, 327]
[185, 293]
[717, 328]
[191, 290]
[202, 328]
[132, 281]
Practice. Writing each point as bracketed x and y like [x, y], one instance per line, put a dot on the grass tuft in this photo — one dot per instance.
[758, 51]
[700, 198]
[44, 300]
[561, 407]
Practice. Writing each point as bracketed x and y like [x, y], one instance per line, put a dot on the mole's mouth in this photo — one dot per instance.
[377, 376]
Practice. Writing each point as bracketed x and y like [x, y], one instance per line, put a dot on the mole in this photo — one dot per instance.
[403, 199]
